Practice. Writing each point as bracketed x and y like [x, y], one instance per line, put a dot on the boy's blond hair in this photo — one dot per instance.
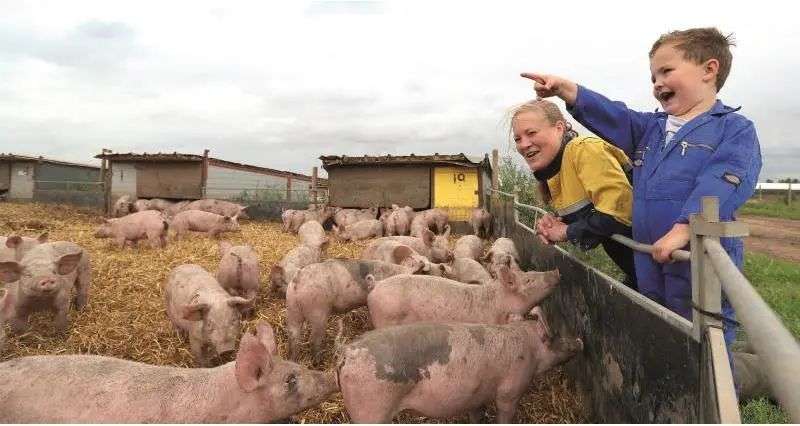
[700, 45]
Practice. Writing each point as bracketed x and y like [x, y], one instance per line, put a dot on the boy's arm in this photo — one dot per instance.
[612, 121]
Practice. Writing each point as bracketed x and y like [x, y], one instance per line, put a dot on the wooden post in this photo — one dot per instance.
[789, 195]
[495, 179]
[107, 181]
[103, 171]
[314, 185]
[204, 177]
[289, 188]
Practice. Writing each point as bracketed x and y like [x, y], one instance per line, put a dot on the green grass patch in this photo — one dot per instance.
[761, 411]
[772, 208]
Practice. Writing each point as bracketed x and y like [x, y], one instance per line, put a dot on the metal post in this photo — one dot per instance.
[789, 195]
[495, 177]
[107, 181]
[204, 177]
[314, 186]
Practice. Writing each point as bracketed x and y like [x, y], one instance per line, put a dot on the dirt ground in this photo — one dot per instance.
[772, 236]
[126, 318]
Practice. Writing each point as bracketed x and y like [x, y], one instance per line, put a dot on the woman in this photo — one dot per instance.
[582, 177]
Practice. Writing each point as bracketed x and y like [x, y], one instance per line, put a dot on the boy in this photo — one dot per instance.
[696, 147]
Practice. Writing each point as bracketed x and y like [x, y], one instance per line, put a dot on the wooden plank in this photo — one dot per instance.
[727, 404]
[169, 180]
[362, 187]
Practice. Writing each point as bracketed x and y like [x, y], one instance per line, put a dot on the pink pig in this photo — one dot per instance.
[14, 247]
[481, 222]
[238, 271]
[361, 230]
[149, 224]
[468, 246]
[201, 221]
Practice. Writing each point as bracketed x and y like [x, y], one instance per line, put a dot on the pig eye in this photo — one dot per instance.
[291, 381]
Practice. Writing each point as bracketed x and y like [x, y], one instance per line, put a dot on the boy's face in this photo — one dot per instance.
[538, 141]
[683, 87]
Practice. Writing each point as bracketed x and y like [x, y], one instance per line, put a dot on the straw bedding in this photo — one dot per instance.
[126, 317]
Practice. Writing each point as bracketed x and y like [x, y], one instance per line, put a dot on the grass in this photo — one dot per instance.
[772, 207]
[776, 281]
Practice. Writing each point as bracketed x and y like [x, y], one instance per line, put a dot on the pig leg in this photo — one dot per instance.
[318, 320]
[294, 325]
[508, 395]
[120, 241]
[62, 313]
[19, 323]
[477, 416]
[366, 401]
[82, 288]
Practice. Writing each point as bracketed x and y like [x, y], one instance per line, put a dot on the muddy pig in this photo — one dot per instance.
[258, 387]
[201, 221]
[200, 308]
[311, 234]
[362, 230]
[333, 286]
[502, 252]
[468, 246]
[15, 247]
[445, 370]
[481, 222]
[122, 207]
[238, 270]
[436, 218]
[470, 271]
[284, 271]
[407, 299]
[44, 280]
[149, 224]
[286, 218]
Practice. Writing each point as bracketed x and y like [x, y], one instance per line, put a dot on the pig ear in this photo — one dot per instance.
[400, 253]
[10, 272]
[266, 336]
[68, 262]
[253, 362]
[446, 231]
[224, 247]
[13, 241]
[241, 303]
[427, 237]
[194, 312]
[42, 238]
[507, 277]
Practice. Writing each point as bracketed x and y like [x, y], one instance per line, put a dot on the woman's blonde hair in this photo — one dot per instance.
[552, 113]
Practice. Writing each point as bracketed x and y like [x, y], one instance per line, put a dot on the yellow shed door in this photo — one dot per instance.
[456, 190]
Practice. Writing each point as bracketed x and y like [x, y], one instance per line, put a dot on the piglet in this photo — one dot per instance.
[405, 299]
[481, 222]
[122, 207]
[199, 307]
[311, 234]
[284, 271]
[258, 387]
[141, 205]
[15, 247]
[332, 286]
[238, 271]
[220, 207]
[197, 220]
[468, 246]
[445, 370]
[502, 252]
[434, 247]
[393, 251]
[361, 230]
[149, 224]
[470, 271]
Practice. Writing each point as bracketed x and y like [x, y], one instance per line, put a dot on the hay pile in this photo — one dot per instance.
[126, 317]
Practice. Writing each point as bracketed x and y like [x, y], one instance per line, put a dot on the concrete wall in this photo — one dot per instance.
[227, 183]
[123, 180]
[22, 174]
[5, 176]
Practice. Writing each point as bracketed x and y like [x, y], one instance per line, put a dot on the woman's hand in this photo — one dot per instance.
[550, 85]
[551, 230]
[675, 239]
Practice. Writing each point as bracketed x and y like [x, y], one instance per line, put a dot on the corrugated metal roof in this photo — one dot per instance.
[444, 159]
[179, 157]
[9, 157]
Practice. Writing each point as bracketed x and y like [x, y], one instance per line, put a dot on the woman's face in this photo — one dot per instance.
[538, 141]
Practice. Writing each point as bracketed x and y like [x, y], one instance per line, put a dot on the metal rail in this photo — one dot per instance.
[776, 346]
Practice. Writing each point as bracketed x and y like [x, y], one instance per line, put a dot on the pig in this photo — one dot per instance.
[123, 206]
[445, 370]
[201, 309]
[282, 273]
[335, 285]
[159, 204]
[436, 218]
[44, 280]
[220, 207]
[397, 222]
[175, 208]
[14, 247]
[362, 230]
[238, 270]
[149, 224]
[468, 246]
[344, 217]
[405, 299]
[286, 218]
[502, 252]
[419, 225]
[311, 234]
[481, 222]
[470, 271]
[434, 247]
[392, 251]
[202, 221]
[258, 387]
[141, 205]
[750, 376]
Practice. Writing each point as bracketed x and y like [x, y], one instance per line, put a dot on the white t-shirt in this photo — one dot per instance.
[671, 127]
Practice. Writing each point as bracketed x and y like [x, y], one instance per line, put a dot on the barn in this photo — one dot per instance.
[179, 176]
[47, 180]
[457, 183]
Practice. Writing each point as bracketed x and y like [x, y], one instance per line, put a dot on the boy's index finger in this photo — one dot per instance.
[535, 77]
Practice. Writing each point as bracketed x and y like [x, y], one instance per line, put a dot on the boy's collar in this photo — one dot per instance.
[718, 109]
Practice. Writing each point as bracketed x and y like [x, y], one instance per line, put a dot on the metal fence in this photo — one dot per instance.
[712, 271]
[82, 193]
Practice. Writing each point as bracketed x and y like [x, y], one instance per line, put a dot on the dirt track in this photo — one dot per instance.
[775, 237]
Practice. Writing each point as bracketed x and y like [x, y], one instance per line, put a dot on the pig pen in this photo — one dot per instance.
[126, 316]
[640, 363]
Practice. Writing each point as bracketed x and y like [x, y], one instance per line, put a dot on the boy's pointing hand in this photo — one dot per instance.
[551, 85]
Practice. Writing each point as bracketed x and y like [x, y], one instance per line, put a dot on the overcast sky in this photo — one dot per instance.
[278, 84]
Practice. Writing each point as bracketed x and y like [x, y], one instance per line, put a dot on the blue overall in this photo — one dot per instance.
[716, 153]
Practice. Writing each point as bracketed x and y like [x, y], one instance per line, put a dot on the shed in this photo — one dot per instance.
[31, 178]
[191, 176]
[457, 183]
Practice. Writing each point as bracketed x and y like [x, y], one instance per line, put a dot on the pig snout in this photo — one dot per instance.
[46, 285]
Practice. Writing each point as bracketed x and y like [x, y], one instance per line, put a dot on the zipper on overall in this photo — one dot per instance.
[685, 145]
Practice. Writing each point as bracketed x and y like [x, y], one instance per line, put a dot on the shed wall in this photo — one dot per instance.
[369, 186]
[21, 181]
[5, 176]
[56, 176]
[228, 183]
[169, 180]
[123, 180]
